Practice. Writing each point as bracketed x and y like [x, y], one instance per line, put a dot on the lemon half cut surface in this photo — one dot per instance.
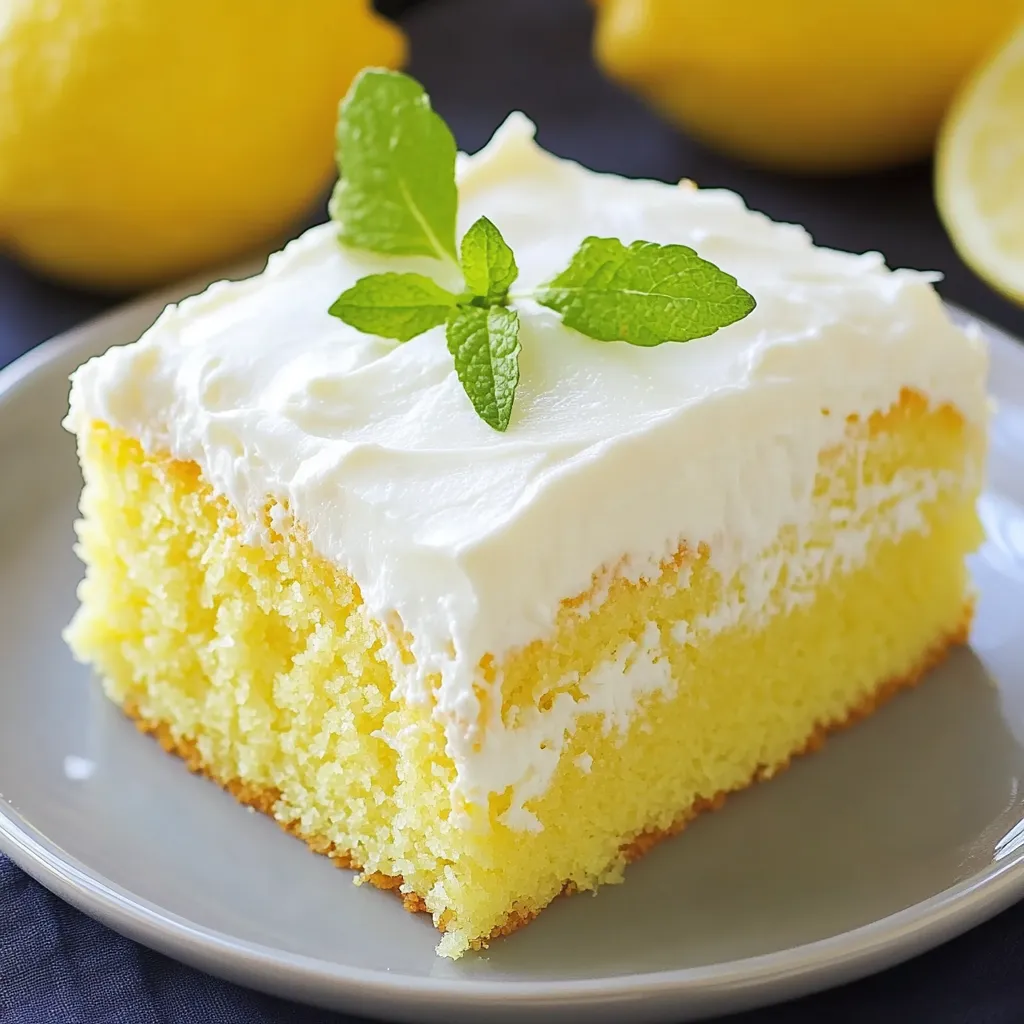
[980, 170]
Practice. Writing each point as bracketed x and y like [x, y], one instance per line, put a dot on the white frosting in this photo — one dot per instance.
[614, 452]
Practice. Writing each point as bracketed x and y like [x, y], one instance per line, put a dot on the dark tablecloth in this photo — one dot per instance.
[479, 61]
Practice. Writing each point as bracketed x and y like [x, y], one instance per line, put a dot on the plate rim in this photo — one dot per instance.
[733, 984]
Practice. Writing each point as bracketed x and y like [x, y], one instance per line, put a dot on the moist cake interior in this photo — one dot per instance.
[257, 662]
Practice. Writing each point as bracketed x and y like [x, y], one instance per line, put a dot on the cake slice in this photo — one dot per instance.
[484, 667]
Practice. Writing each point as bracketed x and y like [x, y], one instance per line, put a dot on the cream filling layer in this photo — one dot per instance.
[524, 757]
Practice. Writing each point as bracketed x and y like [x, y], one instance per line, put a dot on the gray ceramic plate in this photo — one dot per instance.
[901, 833]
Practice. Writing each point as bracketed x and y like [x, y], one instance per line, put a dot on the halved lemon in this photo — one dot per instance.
[979, 176]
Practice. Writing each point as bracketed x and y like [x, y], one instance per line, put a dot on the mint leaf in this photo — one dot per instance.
[398, 306]
[485, 346]
[643, 293]
[488, 265]
[396, 157]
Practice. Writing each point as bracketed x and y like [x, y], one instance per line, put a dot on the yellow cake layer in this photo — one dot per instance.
[258, 660]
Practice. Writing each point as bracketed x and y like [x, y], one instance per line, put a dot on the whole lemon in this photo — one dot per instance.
[807, 85]
[142, 139]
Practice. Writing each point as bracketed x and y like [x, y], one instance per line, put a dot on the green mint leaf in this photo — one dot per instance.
[488, 265]
[485, 346]
[644, 293]
[396, 157]
[398, 306]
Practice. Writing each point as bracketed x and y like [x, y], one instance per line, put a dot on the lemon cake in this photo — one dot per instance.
[483, 668]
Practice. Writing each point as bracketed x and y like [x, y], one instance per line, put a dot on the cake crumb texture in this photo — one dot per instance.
[265, 801]
[255, 659]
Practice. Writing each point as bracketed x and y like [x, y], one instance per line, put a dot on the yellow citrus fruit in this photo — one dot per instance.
[141, 139]
[979, 172]
[807, 85]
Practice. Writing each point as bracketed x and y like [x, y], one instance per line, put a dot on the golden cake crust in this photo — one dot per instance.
[265, 800]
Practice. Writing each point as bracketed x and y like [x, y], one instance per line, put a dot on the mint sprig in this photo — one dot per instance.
[397, 195]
